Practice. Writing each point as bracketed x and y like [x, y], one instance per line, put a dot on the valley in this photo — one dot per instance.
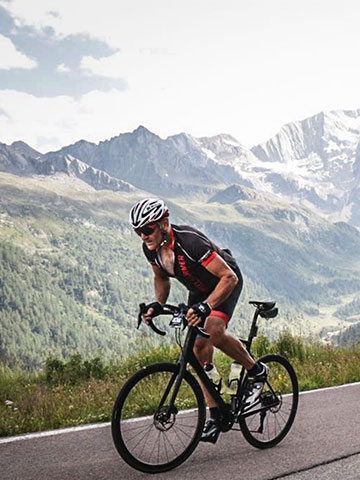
[72, 272]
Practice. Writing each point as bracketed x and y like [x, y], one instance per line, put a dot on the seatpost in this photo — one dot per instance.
[253, 328]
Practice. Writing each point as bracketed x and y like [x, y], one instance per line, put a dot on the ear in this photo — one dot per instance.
[164, 224]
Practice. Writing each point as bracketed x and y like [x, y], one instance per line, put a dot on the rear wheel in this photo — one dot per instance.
[160, 439]
[269, 420]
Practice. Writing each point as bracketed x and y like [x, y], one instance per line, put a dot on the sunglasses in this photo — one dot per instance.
[146, 229]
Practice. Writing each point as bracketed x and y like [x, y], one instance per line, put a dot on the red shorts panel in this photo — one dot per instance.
[217, 313]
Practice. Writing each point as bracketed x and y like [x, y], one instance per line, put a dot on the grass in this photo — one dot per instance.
[80, 391]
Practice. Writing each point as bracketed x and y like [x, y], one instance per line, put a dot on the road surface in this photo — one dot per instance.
[324, 444]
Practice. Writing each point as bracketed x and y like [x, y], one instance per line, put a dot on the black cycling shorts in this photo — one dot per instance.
[226, 309]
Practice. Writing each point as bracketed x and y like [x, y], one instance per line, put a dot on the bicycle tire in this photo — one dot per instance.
[278, 419]
[158, 447]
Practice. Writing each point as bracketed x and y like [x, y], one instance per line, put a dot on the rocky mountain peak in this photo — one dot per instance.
[141, 133]
[12, 161]
[322, 134]
[24, 149]
[231, 195]
[73, 167]
[314, 162]
[222, 139]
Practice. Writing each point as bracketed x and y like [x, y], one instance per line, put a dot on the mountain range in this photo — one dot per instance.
[289, 209]
[314, 162]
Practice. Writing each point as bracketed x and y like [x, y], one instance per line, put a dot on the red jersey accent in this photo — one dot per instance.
[208, 260]
[172, 242]
[187, 274]
[192, 251]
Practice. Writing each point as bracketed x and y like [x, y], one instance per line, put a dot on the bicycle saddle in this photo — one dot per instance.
[264, 306]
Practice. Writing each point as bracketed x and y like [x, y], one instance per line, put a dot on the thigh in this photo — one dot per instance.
[215, 326]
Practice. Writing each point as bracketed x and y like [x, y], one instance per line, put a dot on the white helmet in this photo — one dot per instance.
[146, 211]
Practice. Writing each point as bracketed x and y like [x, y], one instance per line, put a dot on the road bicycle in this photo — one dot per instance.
[166, 433]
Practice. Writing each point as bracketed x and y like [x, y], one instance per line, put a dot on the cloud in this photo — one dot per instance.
[48, 123]
[202, 67]
[63, 68]
[54, 55]
[10, 57]
[4, 114]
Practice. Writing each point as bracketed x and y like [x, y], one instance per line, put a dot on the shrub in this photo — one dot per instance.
[74, 371]
[290, 346]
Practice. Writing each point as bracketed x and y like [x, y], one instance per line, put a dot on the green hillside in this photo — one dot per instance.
[71, 275]
[72, 272]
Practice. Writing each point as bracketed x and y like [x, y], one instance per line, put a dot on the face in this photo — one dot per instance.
[150, 235]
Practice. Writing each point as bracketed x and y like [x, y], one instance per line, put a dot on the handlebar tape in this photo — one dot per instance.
[143, 309]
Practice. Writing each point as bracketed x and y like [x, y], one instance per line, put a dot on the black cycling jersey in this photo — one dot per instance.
[193, 251]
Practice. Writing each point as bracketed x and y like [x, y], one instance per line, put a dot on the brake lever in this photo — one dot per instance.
[142, 310]
[183, 309]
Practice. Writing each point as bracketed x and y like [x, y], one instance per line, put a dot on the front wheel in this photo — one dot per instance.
[269, 420]
[149, 435]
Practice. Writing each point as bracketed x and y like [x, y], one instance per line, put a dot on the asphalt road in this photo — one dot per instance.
[324, 444]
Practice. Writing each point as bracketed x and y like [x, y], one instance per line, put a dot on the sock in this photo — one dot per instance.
[214, 413]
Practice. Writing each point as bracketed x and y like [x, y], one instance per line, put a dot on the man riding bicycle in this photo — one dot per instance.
[214, 282]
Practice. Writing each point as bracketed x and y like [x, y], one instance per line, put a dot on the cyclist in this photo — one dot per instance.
[214, 282]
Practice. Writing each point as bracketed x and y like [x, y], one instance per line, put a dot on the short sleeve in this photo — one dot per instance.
[208, 257]
[201, 249]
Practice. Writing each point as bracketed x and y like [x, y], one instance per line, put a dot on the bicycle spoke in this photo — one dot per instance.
[139, 433]
[152, 451]
[162, 437]
[185, 426]
[282, 385]
[142, 438]
[182, 431]
[173, 448]
[144, 444]
[179, 438]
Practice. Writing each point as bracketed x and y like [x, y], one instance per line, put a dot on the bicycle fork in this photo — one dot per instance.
[176, 379]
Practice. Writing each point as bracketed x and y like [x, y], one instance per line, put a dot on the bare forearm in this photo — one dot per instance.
[222, 290]
[162, 289]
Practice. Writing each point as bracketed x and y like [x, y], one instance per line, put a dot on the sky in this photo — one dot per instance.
[72, 70]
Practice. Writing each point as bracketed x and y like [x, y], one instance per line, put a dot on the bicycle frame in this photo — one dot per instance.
[228, 411]
[188, 357]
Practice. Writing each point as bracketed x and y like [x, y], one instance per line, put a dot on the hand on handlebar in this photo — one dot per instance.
[198, 313]
[192, 319]
[148, 312]
[153, 309]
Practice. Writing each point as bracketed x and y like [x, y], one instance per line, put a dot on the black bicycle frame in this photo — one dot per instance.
[188, 357]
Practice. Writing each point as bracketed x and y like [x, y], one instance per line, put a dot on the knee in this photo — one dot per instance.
[198, 349]
[201, 347]
[216, 336]
[216, 329]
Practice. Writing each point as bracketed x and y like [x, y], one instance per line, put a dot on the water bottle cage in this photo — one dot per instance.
[233, 380]
[217, 385]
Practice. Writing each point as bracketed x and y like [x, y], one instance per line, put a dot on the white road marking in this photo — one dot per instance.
[50, 433]
[330, 388]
